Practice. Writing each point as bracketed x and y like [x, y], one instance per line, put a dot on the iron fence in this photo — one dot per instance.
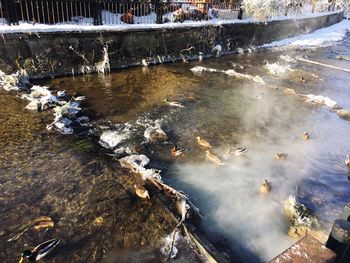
[112, 12]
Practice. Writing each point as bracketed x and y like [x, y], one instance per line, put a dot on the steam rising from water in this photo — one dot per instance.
[267, 124]
[231, 193]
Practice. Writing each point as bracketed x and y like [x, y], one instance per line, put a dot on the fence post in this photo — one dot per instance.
[339, 240]
[97, 13]
[11, 12]
[159, 6]
[240, 13]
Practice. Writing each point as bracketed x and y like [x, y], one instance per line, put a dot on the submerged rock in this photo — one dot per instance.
[155, 135]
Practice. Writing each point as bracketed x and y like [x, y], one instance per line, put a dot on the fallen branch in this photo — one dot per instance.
[323, 65]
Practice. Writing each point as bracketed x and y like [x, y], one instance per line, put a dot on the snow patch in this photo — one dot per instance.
[111, 139]
[321, 37]
[321, 100]
[137, 164]
[170, 242]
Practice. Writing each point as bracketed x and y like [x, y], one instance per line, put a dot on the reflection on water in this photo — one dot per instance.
[120, 97]
[75, 186]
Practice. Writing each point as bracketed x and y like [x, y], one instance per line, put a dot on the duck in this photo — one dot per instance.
[141, 192]
[347, 160]
[236, 151]
[203, 142]
[175, 151]
[173, 103]
[213, 158]
[240, 151]
[182, 208]
[265, 187]
[39, 251]
[281, 156]
[306, 136]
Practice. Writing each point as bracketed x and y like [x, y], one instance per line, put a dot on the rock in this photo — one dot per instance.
[155, 135]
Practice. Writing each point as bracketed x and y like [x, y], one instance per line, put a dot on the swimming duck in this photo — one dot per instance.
[173, 103]
[347, 160]
[175, 151]
[306, 136]
[213, 158]
[236, 151]
[281, 156]
[39, 251]
[240, 151]
[344, 113]
[141, 192]
[265, 187]
[203, 142]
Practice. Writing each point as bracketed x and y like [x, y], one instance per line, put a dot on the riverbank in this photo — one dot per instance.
[52, 54]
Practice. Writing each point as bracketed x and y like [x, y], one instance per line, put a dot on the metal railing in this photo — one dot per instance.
[112, 12]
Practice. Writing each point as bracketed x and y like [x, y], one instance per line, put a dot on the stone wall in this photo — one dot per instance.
[52, 54]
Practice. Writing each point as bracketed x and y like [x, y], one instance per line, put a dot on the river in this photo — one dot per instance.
[71, 179]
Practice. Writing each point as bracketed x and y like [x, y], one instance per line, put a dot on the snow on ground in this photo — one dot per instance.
[321, 37]
[83, 25]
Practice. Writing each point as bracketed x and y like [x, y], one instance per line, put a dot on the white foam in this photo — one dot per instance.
[200, 69]
[229, 72]
[277, 68]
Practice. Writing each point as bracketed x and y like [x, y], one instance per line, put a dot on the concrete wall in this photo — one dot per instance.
[54, 54]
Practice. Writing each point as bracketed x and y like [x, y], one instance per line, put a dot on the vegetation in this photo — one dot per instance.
[265, 9]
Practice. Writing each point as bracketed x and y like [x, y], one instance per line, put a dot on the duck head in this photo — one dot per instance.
[26, 254]
[198, 138]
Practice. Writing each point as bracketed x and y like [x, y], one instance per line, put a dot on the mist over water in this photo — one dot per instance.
[230, 113]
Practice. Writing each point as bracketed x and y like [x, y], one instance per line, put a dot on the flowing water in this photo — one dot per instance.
[226, 111]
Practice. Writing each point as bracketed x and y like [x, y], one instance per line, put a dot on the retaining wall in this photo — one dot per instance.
[53, 54]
